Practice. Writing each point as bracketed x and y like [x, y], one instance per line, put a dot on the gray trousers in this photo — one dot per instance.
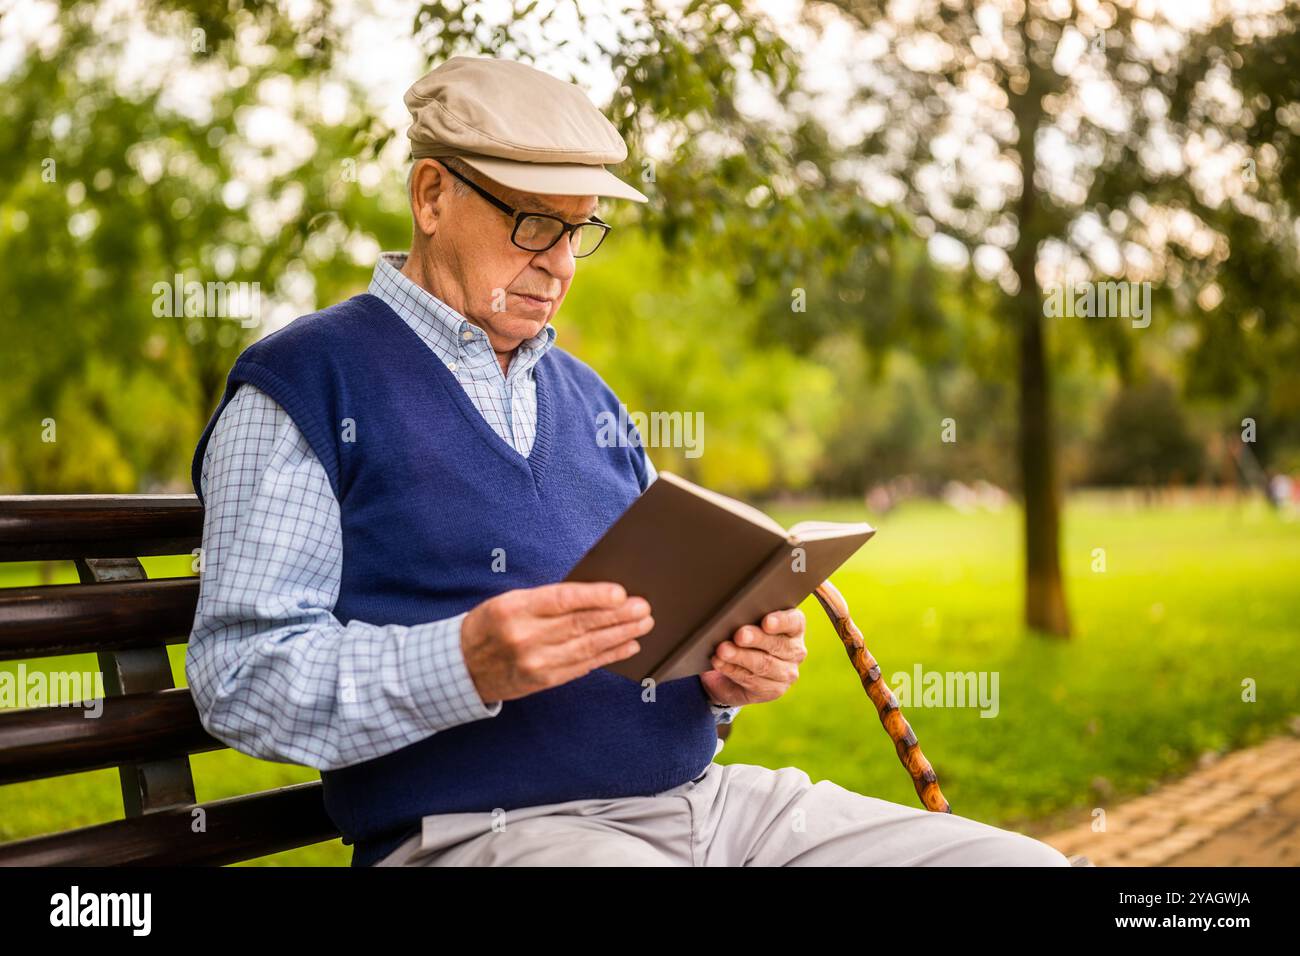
[731, 815]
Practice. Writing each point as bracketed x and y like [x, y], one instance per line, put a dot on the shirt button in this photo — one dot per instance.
[451, 366]
[467, 335]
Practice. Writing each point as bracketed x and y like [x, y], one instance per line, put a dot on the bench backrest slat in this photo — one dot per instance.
[44, 742]
[88, 618]
[67, 527]
[214, 834]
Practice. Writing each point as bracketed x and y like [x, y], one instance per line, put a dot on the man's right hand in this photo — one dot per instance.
[527, 640]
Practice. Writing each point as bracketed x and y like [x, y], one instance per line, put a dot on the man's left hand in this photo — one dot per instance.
[757, 664]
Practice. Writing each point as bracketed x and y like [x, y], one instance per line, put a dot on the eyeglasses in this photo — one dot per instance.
[537, 231]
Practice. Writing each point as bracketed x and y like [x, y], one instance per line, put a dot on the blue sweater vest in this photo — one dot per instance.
[428, 492]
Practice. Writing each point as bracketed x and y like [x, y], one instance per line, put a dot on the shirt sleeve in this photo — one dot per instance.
[273, 672]
[724, 715]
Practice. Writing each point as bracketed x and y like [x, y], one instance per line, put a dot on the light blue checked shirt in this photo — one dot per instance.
[269, 665]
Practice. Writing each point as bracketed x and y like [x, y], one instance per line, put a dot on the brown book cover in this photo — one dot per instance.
[708, 564]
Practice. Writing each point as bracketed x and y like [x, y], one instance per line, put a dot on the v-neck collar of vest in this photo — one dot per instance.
[535, 462]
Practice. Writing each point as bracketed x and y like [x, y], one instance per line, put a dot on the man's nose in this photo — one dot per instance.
[558, 260]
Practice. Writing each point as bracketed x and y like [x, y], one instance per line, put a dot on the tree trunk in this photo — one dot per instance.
[1045, 608]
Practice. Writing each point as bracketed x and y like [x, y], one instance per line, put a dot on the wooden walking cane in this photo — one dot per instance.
[909, 751]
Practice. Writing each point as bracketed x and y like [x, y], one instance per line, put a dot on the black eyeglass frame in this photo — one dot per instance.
[520, 215]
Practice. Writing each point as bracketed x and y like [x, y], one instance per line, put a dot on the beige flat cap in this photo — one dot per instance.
[517, 125]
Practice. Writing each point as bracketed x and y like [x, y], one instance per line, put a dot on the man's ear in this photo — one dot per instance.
[429, 187]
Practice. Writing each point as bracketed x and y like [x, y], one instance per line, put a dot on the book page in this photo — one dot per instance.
[821, 530]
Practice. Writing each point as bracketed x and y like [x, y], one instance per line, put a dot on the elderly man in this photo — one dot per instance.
[393, 487]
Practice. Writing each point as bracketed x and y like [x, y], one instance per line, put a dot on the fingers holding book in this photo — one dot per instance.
[530, 639]
[759, 663]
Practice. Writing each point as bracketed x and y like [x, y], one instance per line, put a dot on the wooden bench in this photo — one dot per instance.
[148, 727]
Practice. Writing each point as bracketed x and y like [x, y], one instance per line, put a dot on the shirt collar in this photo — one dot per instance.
[441, 327]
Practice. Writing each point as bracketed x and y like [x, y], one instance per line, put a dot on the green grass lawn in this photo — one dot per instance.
[1193, 602]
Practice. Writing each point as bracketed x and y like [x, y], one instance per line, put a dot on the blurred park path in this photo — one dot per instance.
[1241, 810]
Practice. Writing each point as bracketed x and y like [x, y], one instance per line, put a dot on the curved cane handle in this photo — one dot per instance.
[900, 732]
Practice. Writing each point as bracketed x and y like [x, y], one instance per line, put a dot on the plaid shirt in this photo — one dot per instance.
[268, 664]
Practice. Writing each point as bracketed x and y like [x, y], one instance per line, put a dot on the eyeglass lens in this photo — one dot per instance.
[539, 232]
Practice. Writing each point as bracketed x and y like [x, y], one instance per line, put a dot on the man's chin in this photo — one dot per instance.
[523, 327]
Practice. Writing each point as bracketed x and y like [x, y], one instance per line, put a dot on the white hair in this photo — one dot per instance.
[451, 162]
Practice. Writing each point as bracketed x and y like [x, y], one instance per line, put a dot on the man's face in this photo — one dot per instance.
[509, 292]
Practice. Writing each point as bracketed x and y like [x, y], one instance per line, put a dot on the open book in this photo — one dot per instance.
[708, 564]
